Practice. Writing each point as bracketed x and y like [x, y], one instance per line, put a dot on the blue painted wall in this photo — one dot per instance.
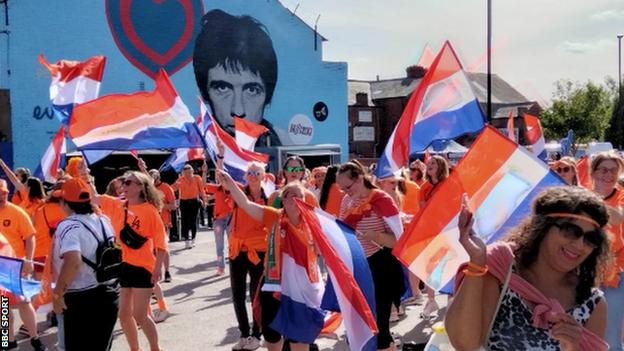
[78, 29]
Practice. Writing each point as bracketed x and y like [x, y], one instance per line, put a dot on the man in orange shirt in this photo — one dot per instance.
[221, 213]
[191, 189]
[20, 233]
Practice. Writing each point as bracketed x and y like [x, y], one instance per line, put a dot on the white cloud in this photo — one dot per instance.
[584, 47]
[608, 15]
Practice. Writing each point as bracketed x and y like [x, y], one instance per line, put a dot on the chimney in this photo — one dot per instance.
[361, 99]
[415, 71]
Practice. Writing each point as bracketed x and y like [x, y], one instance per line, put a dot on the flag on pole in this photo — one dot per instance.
[11, 278]
[535, 136]
[180, 157]
[247, 133]
[443, 106]
[511, 131]
[73, 82]
[144, 120]
[53, 158]
[427, 57]
[350, 287]
[235, 158]
[500, 178]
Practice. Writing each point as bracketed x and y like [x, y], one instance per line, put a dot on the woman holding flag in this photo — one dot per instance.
[544, 277]
[376, 218]
[605, 170]
[289, 226]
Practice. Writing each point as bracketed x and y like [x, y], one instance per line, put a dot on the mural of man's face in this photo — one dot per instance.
[241, 94]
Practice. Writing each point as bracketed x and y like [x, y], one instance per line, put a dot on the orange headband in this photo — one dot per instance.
[575, 216]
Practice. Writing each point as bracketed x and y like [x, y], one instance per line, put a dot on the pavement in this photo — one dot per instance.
[202, 316]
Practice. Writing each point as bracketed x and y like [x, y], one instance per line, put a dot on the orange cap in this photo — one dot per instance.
[3, 186]
[76, 190]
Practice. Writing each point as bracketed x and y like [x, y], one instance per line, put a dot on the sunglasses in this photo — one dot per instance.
[413, 169]
[253, 173]
[604, 170]
[294, 169]
[564, 169]
[572, 231]
[128, 182]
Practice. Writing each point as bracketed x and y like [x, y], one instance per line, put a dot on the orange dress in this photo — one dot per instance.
[616, 236]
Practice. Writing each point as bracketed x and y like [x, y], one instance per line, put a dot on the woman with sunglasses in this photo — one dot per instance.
[605, 170]
[566, 169]
[288, 222]
[544, 277]
[294, 170]
[375, 217]
[138, 217]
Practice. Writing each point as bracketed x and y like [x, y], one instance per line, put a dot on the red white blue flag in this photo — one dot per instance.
[53, 158]
[180, 157]
[443, 106]
[156, 119]
[500, 178]
[73, 82]
[350, 287]
[235, 158]
[248, 132]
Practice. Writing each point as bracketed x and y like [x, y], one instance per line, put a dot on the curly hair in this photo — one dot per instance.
[530, 234]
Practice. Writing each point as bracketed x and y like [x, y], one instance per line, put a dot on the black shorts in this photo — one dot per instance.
[135, 277]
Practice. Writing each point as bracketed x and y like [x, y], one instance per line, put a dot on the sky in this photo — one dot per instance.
[535, 42]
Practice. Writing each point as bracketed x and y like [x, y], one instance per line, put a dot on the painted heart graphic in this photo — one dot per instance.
[154, 34]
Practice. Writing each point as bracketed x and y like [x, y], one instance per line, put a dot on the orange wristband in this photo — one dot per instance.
[478, 268]
[474, 274]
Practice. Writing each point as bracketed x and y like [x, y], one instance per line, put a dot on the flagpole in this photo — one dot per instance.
[489, 60]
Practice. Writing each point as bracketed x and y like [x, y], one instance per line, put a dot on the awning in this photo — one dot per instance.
[319, 152]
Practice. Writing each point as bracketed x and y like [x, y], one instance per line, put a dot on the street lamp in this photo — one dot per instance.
[619, 36]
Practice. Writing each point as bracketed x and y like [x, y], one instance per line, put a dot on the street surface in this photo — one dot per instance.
[202, 316]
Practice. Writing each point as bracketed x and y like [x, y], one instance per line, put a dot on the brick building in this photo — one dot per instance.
[376, 106]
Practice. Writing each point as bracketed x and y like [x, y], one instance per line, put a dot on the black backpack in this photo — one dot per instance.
[108, 256]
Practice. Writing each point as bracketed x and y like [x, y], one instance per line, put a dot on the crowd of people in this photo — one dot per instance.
[545, 286]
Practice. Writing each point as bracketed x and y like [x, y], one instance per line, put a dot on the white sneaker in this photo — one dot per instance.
[193, 243]
[252, 343]
[430, 307]
[188, 244]
[241, 344]
[161, 315]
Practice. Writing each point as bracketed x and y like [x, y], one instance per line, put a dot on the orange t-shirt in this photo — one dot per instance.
[221, 208]
[411, 200]
[16, 226]
[145, 221]
[189, 189]
[19, 196]
[168, 197]
[334, 200]
[616, 235]
[45, 218]
[246, 234]
[425, 192]
[31, 206]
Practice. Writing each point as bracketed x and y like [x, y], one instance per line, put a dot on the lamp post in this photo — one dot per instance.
[619, 63]
[489, 61]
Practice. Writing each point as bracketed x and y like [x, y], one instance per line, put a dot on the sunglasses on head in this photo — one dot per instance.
[253, 173]
[572, 231]
[564, 169]
[294, 169]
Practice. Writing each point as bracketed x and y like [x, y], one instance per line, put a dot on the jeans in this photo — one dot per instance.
[220, 231]
[60, 332]
[615, 315]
